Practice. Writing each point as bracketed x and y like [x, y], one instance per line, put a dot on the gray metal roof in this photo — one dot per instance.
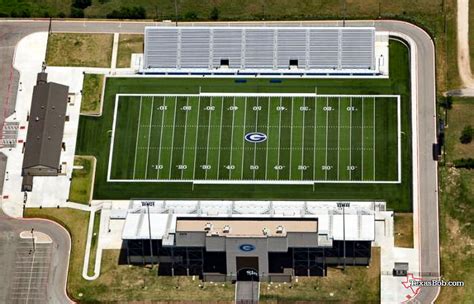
[46, 125]
[338, 48]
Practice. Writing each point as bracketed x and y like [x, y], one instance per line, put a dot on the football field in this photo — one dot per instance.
[258, 138]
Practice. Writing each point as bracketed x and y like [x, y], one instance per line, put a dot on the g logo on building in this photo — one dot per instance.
[247, 247]
[255, 137]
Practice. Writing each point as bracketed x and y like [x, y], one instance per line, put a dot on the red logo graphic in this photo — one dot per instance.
[412, 288]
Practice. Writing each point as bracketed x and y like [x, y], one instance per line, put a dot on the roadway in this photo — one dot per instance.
[425, 194]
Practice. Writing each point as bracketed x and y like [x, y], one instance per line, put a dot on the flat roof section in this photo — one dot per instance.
[247, 227]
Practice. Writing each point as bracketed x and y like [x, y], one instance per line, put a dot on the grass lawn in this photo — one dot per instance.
[74, 49]
[91, 94]
[459, 116]
[471, 32]
[359, 284]
[128, 44]
[94, 242]
[397, 196]
[404, 230]
[81, 183]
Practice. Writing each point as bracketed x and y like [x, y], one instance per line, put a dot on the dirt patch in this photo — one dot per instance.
[404, 230]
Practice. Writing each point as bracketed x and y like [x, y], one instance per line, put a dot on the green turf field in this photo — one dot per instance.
[202, 137]
[95, 137]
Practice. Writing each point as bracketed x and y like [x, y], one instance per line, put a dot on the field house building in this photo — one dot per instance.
[248, 240]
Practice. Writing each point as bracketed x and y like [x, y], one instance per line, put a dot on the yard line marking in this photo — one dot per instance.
[373, 148]
[220, 139]
[196, 140]
[279, 140]
[302, 141]
[255, 144]
[350, 140]
[232, 137]
[326, 161]
[338, 132]
[149, 136]
[362, 163]
[172, 136]
[314, 143]
[243, 140]
[291, 138]
[138, 135]
[208, 136]
[161, 139]
[185, 130]
[268, 136]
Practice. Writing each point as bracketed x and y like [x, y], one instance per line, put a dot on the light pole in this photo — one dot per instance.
[344, 235]
[33, 239]
[176, 11]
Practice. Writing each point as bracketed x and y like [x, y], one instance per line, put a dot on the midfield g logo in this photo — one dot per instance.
[255, 137]
[247, 247]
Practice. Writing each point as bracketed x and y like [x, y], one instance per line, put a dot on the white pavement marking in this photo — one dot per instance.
[172, 136]
[161, 138]
[138, 135]
[208, 135]
[232, 138]
[326, 161]
[279, 139]
[196, 140]
[149, 137]
[268, 136]
[243, 141]
[302, 135]
[184, 139]
[220, 139]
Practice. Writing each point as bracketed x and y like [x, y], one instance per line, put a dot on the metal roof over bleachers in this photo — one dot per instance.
[335, 49]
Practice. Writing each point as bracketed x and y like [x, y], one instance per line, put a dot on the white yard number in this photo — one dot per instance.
[186, 108]
[303, 167]
[253, 167]
[206, 167]
[327, 109]
[280, 108]
[304, 109]
[233, 108]
[210, 108]
[182, 167]
[163, 108]
[351, 109]
[157, 167]
[230, 167]
[351, 168]
[257, 108]
[279, 167]
[326, 168]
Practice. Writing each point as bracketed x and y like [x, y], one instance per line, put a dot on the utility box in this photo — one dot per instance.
[400, 269]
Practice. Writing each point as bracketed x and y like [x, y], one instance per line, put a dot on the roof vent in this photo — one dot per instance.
[215, 233]
[279, 229]
[208, 227]
[37, 118]
[265, 231]
[226, 229]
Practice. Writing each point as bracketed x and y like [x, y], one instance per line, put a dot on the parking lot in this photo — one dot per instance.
[30, 272]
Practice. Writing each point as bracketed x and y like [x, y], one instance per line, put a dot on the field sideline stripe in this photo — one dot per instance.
[149, 137]
[232, 137]
[208, 135]
[196, 141]
[184, 140]
[220, 139]
[172, 136]
[268, 136]
[138, 134]
[161, 139]
[243, 141]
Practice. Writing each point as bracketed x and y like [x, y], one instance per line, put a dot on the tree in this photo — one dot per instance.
[466, 135]
[214, 14]
[82, 4]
